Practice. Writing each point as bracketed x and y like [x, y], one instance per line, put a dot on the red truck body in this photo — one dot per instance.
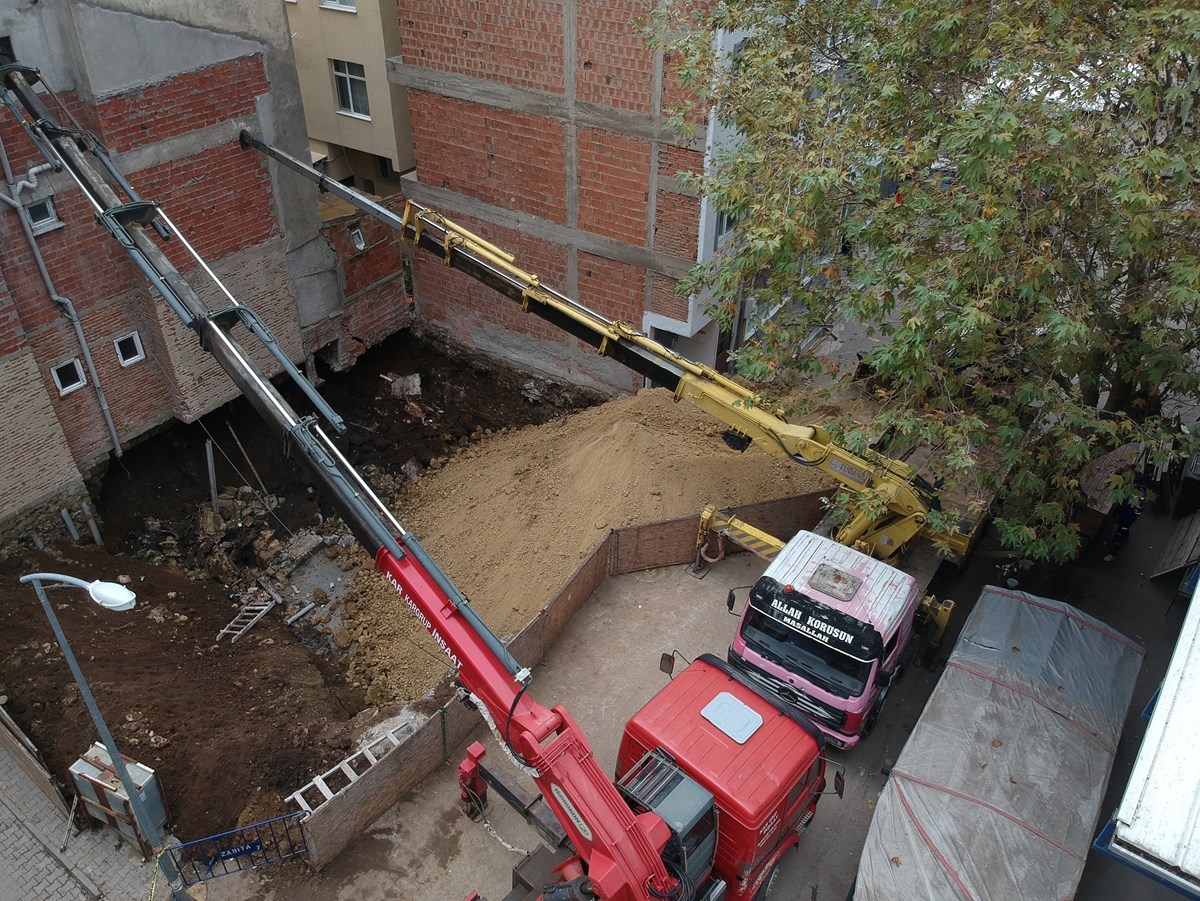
[760, 761]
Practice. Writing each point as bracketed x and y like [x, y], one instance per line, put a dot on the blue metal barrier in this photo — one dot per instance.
[240, 849]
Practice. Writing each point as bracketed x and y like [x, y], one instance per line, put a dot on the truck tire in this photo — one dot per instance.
[872, 718]
[768, 884]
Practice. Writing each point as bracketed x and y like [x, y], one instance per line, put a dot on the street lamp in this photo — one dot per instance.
[110, 596]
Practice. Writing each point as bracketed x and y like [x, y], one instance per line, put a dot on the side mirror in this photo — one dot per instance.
[839, 783]
[883, 680]
[666, 663]
[731, 600]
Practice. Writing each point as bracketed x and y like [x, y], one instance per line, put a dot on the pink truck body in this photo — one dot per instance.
[824, 628]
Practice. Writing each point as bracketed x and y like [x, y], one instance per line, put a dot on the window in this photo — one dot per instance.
[387, 170]
[724, 226]
[348, 5]
[68, 376]
[350, 79]
[42, 216]
[129, 349]
[357, 239]
[6, 50]
[368, 186]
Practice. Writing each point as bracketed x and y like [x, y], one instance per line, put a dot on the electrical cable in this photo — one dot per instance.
[487, 824]
[507, 723]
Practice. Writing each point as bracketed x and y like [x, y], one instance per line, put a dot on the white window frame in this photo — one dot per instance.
[347, 78]
[137, 341]
[346, 6]
[46, 223]
[63, 391]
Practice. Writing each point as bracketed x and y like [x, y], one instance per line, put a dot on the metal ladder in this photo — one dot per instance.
[248, 616]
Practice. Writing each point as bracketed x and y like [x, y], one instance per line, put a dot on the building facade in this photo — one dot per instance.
[540, 124]
[91, 358]
[357, 120]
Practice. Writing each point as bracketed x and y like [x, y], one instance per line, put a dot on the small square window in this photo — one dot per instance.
[368, 185]
[387, 170]
[69, 376]
[42, 215]
[129, 349]
[357, 239]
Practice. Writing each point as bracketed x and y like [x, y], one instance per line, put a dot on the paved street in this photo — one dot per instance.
[93, 866]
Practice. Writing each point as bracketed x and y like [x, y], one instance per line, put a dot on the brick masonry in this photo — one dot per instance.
[612, 181]
[220, 198]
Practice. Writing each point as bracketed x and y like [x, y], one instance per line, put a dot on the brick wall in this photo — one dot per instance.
[615, 68]
[513, 159]
[613, 185]
[182, 104]
[377, 300]
[222, 201]
[596, 179]
[518, 42]
[464, 307]
[35, 465]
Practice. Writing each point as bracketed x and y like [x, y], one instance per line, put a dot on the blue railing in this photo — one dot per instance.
[240, 849]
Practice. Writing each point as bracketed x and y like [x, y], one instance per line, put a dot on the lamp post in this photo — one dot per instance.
[110, 596]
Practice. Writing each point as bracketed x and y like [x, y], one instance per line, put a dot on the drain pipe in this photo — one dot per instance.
[15, 188]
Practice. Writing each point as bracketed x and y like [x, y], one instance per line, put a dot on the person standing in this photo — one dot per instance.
[1127, 514]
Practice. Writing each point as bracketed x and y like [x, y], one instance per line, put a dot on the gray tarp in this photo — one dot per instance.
[997, 791]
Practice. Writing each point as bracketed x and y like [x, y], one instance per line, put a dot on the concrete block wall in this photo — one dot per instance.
[545, 119]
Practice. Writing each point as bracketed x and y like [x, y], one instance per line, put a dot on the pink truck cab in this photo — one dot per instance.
[824, 629]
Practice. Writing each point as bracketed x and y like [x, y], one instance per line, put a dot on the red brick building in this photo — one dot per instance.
[540, 125]
[91, 358]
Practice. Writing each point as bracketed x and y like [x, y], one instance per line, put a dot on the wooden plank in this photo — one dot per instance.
[1183, 547]
[18, 744]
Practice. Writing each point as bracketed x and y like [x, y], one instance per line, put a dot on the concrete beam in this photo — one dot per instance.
[446, 201]
[539, 103]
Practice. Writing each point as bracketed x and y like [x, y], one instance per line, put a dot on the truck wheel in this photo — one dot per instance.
[872, 719]
[768, 884]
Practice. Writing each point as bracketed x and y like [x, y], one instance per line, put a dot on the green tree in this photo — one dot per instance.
[1004, 192]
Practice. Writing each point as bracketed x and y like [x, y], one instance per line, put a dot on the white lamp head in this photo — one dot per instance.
[112, 596]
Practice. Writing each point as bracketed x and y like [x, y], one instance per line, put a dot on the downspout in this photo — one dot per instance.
[15, 188]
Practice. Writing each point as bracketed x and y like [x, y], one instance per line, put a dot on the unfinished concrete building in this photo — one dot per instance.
[540, 125]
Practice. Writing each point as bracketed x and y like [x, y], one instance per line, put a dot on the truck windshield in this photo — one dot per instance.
[835, 672]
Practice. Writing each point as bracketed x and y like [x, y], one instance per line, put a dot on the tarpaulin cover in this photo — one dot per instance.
[997, 792]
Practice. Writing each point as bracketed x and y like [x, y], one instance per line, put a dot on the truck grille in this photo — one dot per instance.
[819, 711]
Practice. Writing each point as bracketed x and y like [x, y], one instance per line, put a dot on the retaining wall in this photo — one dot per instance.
[335, 824]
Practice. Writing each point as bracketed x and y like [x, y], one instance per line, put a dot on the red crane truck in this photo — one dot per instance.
[716, 778]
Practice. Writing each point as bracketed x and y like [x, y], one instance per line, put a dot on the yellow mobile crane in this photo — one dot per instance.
[893, 486]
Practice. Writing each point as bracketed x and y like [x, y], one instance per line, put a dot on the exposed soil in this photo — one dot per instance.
[512, 495]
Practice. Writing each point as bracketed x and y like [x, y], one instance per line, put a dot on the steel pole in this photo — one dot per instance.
[147, 829]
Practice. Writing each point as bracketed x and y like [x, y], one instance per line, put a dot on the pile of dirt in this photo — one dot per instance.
[508, 513]
[509, 519]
